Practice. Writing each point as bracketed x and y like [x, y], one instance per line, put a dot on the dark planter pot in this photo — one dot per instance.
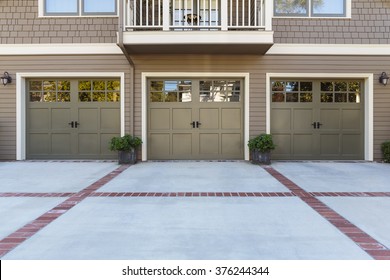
[127, 157]
[261, 157]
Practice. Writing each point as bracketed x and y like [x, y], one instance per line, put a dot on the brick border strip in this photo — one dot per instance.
[201, 194]
[18, 237]
[370, 245]
[192, 194]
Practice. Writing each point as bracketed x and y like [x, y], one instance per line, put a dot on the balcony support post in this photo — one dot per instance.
[166, 15]
[224, 15]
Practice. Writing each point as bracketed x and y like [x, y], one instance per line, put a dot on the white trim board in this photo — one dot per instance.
[329, 49]
[368, 101]
[58, 49]
[21, 101]
[148, 75]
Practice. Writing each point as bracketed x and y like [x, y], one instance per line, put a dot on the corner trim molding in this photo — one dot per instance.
[58, 49]
[329, 49]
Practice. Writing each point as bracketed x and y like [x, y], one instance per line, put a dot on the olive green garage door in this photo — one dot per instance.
[321, 119]
[72, 119]
[195, 119]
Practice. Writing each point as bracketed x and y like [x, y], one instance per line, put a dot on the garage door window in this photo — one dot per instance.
[49, 91]
[219, 91]
[292, 91]
[99, 90]
[340, 92]
[170, 91]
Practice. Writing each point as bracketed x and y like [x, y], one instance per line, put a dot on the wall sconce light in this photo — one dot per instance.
[6, 79]
[383, 79]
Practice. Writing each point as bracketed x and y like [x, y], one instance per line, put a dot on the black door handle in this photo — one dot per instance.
[318, 124]
[76, 123]
[71, 124]
[193, 124]
[314, 124]
[197, 124]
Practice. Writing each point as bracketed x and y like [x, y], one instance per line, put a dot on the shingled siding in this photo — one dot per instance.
[20, 24]
[370, 24]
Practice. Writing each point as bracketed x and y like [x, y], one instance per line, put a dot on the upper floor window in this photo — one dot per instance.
[310, 8]
[80, 7]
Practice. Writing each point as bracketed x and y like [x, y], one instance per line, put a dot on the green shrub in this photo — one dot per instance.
[125, 143]
[262, 143]
[386, 151]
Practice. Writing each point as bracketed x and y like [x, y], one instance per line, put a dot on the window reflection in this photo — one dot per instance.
[170, 91]
[220, 91]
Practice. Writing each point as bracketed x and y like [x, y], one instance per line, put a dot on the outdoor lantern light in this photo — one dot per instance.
[6, 79]
[383, 79]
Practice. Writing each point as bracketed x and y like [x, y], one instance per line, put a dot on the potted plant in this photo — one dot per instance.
[261, 147]
[126, 146]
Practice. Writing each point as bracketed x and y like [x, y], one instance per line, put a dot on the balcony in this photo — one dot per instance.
[197, 26]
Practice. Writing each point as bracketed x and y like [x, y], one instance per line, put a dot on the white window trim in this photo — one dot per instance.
[368, 101]
[144, 102]
[21, 101]
[41, 12]
[348, 13]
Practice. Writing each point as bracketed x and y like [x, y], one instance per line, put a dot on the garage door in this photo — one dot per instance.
[195, 119]
[72, 119]
[321, 119]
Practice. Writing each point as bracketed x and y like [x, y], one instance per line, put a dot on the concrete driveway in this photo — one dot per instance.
[194, 210]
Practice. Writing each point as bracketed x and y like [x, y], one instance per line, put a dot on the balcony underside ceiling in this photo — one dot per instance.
[198, 42]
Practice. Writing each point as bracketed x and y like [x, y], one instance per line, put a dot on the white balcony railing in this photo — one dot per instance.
[194, 15]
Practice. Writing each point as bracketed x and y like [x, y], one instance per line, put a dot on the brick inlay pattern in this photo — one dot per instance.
[11, 241]
[193, 194]
[371, 246]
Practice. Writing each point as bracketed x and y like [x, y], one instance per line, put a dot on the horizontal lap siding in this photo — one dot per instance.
[258, 66]
[51, 64]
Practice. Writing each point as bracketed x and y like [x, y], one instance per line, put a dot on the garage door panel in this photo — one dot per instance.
[88, 143]
[159, 119]
[209, 118]
[209, 143]
[207, 126]
[283, 144]
[110, 119]
[159, 145]
[60, 118]
[302, 119]
[330, 119]
[281, 119]
[327, 119]
[182, 144]
[330, 144]
[231, 144]
[303, 144]
[181, 118]
[61, 143]
[351, 119]
[71, 118]
[231, 118]
[105, 139]
[351, 144]
[39, 119]
[39, 143]
[89, 118]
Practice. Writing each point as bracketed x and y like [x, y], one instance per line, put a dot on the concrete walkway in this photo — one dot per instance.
[194, 210]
